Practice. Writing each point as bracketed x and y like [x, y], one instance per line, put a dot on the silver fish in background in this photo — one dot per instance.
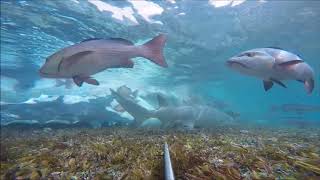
[299, 122]
[80, 61]
[298, 108]
[273, 65]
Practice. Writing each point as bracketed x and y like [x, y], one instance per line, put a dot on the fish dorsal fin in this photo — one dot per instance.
[275, 48]
[283, 50]
[135, 93]
[91, 39]
[162, 101]
[113, 92]
[121, 40]
[289, 63]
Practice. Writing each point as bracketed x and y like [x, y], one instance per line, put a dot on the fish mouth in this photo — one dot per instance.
[44, 74]
[232, 62]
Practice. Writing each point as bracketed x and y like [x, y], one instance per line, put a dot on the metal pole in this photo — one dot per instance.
[168, 172]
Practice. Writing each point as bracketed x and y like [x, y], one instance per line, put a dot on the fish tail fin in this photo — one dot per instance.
[309, 85]
[153, 50]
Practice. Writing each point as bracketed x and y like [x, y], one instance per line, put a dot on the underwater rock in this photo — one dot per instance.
[272, 139]
[244, 131]
[47, 130]
[217, 162]
[22, 124]
[151, 123]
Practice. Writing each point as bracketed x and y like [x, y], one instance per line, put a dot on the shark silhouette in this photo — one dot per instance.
[185, 116]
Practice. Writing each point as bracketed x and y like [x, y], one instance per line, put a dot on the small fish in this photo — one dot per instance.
[80, 61]
[233, 114]
[300, 122]
[296, 108]
[273, 65]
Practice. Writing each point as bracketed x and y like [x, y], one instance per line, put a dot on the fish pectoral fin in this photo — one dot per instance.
[278, 82]
[78, 80]
[91, 39]
[92, 81]
[289, 63]
[121, 40]
[267, 84]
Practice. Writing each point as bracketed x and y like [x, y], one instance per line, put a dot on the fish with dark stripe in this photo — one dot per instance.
[81, 61]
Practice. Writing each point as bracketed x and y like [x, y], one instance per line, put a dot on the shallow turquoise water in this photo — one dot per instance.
[201, 35]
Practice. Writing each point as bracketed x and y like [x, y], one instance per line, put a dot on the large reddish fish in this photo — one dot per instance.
[80, 61]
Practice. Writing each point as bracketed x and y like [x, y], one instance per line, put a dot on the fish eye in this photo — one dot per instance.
[249, 54]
